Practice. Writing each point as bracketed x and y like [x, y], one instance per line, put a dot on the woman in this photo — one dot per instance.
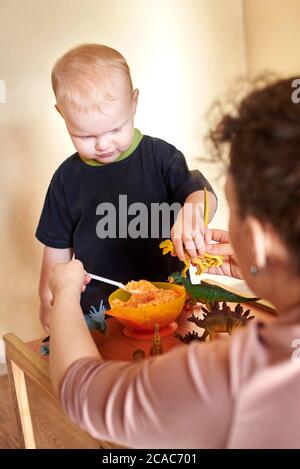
[240, 393]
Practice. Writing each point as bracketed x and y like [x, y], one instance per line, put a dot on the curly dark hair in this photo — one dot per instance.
[264, 158]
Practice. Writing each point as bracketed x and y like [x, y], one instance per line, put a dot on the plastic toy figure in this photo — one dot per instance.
[202, 263]
[96, 319]
[215, 320]
[207, 294]
[156, 348]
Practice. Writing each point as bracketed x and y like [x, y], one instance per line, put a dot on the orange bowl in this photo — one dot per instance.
[143, 319]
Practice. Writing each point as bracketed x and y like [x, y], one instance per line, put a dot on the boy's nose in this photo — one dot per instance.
[102, 144]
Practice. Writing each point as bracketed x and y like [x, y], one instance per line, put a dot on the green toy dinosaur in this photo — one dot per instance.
[207, 294]
[216, 320]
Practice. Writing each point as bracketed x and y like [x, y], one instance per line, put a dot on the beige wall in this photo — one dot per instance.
[272, 36]
[182, 53]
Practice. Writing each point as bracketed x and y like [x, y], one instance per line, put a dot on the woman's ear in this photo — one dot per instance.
[258, 241]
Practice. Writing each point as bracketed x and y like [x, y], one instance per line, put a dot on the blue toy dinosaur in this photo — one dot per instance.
[96, 319]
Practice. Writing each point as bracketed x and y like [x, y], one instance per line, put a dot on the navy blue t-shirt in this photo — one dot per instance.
[83, 203]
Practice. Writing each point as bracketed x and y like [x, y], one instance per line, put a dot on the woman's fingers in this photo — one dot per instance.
[220, 236]
[218, 243]
[220, 249]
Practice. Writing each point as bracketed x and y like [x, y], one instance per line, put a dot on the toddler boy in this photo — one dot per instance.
[110, 203]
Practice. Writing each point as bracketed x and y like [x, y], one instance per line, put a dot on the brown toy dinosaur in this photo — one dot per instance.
[215, 320]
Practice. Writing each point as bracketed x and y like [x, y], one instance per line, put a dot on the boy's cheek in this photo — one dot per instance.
[79, 144]
[125, 143]
[83, 150]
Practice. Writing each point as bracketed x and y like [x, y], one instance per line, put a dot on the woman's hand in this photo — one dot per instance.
[70, 337]
[69, 276]
[221, 246]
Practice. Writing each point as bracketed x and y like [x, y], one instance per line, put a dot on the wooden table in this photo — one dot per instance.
[25, 361]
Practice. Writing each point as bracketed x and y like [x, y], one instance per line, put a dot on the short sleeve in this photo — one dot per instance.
[55, 228]
[181, 182]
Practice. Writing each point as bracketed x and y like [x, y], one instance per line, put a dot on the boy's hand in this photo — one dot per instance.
[188, 231]
[70, 276]
[222, 247]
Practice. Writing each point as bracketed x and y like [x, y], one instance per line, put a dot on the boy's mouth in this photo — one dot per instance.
[105, 155]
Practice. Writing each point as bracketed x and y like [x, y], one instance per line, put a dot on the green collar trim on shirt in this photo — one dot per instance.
[137, 137]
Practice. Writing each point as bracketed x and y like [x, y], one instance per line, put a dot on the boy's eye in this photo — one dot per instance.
[81, 136]
[116, 130]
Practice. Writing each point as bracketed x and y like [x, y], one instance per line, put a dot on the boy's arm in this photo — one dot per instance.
[188, 229]
[51, 256]
[197, 197]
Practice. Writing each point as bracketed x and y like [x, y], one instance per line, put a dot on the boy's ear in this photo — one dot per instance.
[58, 110]
[135, 98]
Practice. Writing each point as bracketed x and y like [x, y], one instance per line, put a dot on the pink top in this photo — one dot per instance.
[240, 393]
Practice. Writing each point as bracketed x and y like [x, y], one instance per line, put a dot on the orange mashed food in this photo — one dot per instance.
[148, 295]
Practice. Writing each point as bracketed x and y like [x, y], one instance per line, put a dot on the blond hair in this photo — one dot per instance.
[84, 75]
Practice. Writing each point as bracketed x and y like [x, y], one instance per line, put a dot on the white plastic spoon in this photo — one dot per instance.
[112, 282]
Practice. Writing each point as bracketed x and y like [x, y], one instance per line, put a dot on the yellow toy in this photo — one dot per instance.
[202, 263]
